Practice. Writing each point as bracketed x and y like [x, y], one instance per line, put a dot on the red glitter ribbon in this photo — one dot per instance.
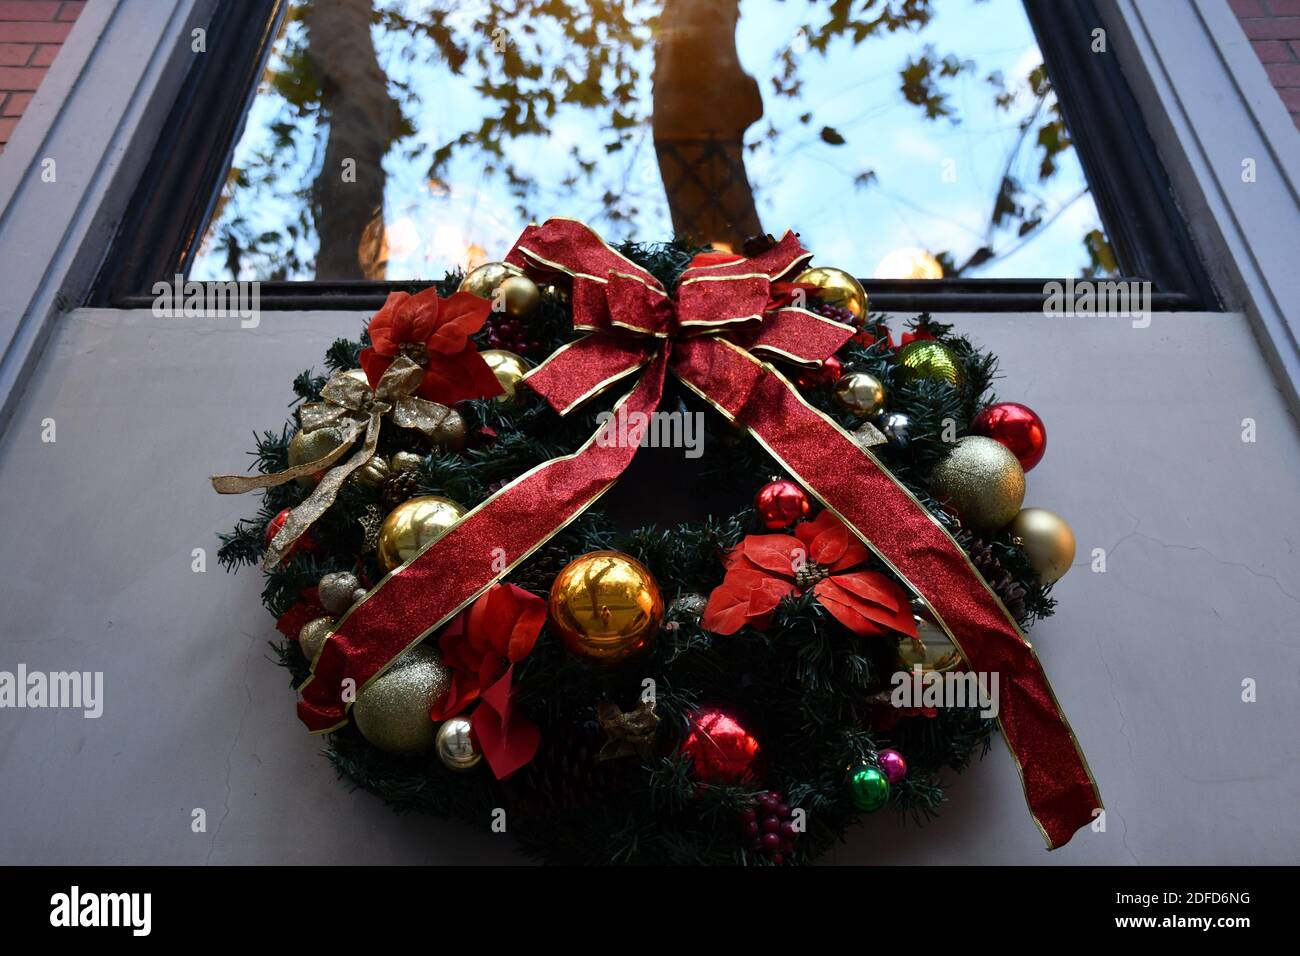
[710, 335]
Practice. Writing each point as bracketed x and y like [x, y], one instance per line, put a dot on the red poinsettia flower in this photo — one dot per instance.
[820, 556]
[435, 334]
[482, 646]
[481, 643]
[916, 335]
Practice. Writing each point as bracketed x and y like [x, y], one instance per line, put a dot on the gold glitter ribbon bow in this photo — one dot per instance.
[350, 405]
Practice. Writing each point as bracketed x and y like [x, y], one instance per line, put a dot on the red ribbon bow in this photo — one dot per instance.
[710, 335]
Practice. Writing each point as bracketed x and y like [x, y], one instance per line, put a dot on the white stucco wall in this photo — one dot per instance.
[1145, 458]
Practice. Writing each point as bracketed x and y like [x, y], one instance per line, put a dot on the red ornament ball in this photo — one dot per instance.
[780, 504]
[721, 749]
[828, 373]
[1016, 426]
[273, 528]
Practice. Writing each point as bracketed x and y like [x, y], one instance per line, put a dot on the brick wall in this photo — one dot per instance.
[1274, 30]
[31, 32]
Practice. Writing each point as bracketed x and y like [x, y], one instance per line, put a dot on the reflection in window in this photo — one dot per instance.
[394, 139]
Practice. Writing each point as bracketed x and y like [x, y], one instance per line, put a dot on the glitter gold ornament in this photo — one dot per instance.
[509, 369]
[408, 460]
[606, 606]
[311, 638]
[412, 525]
[837, 287]
[1047, 539]
[455, 744]
[931, 649]
[860, 393]
[392, 711]
[449, 434]
[982, 481]
[928, 359]
[309, 446]
[484, 280]
[517, 296]
[338, 591]
[372, 474]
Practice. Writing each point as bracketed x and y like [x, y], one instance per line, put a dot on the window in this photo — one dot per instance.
[924, 146]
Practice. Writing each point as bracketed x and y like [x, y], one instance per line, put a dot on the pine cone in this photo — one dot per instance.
[1004, 585]
[565, 774]
[399, 486]
[537, 573]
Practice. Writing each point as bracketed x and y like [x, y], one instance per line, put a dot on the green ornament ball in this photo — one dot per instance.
[869, 789]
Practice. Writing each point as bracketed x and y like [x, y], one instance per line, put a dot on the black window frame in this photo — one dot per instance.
[171, 207]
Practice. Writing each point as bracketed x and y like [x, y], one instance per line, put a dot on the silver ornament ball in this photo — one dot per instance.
[456, 745]
[337, 591]
[897, 427]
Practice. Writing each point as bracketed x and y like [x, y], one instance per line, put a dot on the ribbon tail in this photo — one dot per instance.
[322, 496]
[241, 484]
[422, 595]
[847, 479]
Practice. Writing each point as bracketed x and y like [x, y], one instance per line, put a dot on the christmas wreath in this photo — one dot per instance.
[806, 530]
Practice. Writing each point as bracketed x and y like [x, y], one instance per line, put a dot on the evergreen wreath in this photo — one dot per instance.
[752, 746]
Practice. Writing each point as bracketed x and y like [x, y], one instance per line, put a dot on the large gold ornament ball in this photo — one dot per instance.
[932, 650]
[414, 524]
[483, 281]
[509, 369]
[311, 446]
[455, 745]
[927, 359]
[982, 481]
[860, 393]
[1047, 539]
[311, 637]
[518, 296]
[837, 287]
[606, 606]
[392, 711]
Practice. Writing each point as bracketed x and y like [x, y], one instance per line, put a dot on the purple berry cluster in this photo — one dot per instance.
[769, 827]
[836, 312]
[505, 332]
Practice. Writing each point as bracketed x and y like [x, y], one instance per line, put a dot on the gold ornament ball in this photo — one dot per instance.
[1047, 539]
[392, 711]
[606, 606]
[982, 481]
[518, 296]
[311, 638]
[509, 369]
[484, 280]
[455, 744]
[932, 649]
[407, 460]
[310, 446]
[371, 474]
[859, 393]
[837, 287]
[414, 524]
[449, 434]
[927, 359]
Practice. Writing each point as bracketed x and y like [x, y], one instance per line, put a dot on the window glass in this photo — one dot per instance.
[394, 139]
